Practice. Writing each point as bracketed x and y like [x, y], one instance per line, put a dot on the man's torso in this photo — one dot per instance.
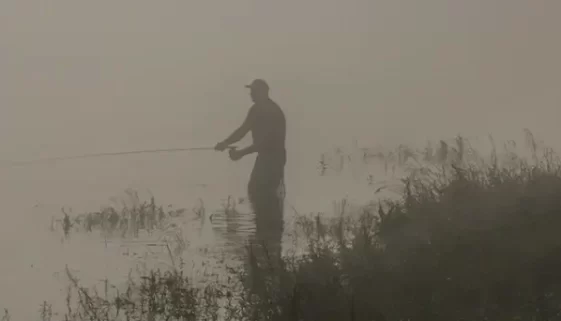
[270, 119]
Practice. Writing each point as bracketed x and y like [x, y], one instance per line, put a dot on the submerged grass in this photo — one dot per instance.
[126, 222]
[469, 239]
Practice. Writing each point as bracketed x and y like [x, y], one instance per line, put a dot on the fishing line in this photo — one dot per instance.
[96, 155]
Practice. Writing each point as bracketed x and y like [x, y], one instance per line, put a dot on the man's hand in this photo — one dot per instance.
[221, 146]
[235, 154]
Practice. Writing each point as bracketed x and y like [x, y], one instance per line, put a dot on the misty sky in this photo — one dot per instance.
[115, 75]
[94, 76]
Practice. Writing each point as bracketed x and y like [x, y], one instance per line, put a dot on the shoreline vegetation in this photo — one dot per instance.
[469, 238]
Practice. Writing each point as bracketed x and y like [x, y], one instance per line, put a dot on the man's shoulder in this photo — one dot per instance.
[268, 107]
[253, 109]
[273, 104]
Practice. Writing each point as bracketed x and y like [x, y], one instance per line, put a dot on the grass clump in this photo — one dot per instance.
[125, 222]
[476, 243]
[157, 295]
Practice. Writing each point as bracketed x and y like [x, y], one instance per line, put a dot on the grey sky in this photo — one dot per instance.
[81, 76]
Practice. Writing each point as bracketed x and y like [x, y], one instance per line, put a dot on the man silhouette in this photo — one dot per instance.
[267, 124]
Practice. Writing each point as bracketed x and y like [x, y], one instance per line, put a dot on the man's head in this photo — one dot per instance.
[259, 90]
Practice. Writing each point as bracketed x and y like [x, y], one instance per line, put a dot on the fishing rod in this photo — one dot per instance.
[95, 155]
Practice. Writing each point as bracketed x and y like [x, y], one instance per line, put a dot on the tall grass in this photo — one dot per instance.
[126, 222]
[476, 243]
[466, 241]
[470, 238]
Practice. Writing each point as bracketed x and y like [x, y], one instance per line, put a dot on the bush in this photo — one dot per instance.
[482, 244]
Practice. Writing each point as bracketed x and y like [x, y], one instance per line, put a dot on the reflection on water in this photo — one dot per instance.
[232, 230]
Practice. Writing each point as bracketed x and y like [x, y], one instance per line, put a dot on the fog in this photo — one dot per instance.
[106, 76]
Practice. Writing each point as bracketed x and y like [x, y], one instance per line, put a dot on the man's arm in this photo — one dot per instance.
[260, 143]
[239, 133]
[249, 150]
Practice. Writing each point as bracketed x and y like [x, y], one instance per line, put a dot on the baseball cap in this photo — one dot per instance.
[258, 84]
